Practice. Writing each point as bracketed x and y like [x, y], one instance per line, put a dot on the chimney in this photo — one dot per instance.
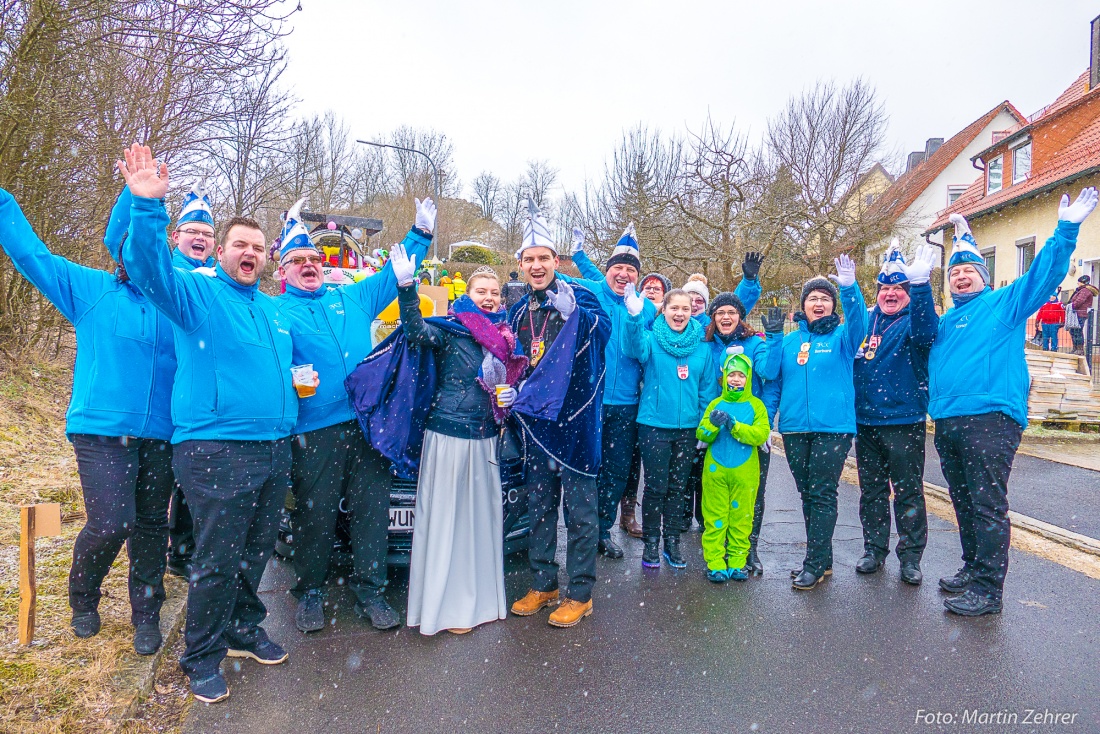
[1094, 55]
[915, 159]
[931, 146]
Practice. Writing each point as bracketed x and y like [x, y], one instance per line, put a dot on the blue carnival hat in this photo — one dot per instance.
[965, 248]
[892, 272]
[295, 235]
[626, 250]
[196, 207]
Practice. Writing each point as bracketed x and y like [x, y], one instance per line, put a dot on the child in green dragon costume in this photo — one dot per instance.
[735, 424]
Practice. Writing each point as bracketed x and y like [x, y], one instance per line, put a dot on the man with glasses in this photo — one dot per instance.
[332, 459]
[193, 240]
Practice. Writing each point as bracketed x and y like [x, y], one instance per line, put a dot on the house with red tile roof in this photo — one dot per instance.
[1012, 206]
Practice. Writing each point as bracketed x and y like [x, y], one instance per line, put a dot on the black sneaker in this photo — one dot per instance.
[147, 638]
[958, 583]
[972, 604]
[85, 624]
[210, 690]
[868, 564]
[264, 652]
[310, 616]
[607, 547]
[381, 615]
[651, 554]
[672, 552]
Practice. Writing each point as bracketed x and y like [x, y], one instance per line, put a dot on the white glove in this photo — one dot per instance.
[960, 224]
[404, 267]
[425, 214]
[924, 262]
[845, 271]
[564, 300]
[701, 445]
[1079, 210]
[633, 300]
[767, 447]
[578, 240]
[506, 397]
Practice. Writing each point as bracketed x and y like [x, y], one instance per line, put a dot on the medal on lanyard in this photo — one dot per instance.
[538, 346]
[682, 371]
[804, 353]
[872, 345]
[537, 349]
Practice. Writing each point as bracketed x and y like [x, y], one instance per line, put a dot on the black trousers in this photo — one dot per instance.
[126, 483]
[181, 529]
[331, 464]
[693, 493]
[816, 461]
[234, 490]
[634, 478]
[667, 454]
[620, 439]
[892, 456]
[548, 486]
[976, 454]
[758, 510]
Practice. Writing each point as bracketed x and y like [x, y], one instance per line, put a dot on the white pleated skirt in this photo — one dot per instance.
[456, 570]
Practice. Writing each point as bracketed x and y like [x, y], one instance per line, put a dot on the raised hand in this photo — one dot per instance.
[143, 174]
[565, 301]
[578, 240]
[845, 271]
[633, 300]
[924, 262]
[425, 214]
[404, 267]
[1079, 210]
[773, 320]
[750, 266]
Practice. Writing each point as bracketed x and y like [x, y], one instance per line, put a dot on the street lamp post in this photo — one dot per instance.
[435, 173]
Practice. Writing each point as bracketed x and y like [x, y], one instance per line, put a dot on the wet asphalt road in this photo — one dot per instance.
[667, 651]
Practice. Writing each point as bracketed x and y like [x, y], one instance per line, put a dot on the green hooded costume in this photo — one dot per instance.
[731, 469]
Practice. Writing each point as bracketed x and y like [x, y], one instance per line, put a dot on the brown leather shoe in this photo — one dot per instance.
[534, 601]
[570, 612]
[628, 520]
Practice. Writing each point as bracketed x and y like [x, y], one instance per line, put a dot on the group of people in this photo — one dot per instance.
[183, 384]
[1073, 315]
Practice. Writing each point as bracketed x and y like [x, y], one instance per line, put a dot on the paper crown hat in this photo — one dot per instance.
[295, 235]
[196, 207]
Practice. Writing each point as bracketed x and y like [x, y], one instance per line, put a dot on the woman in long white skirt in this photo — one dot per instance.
[456, 573]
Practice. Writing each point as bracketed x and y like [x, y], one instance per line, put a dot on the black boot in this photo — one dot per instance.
[651, 554]
[607, 547]
[972, 604]
[672, 552]
[958, 583]
[910, 573]
[752, 562]
[869, 564]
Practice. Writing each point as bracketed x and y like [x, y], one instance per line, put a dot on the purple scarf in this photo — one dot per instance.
[492, 333]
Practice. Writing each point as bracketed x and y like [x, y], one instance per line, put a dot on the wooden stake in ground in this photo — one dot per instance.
[35, 521]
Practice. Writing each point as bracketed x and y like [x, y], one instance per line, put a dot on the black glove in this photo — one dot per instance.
[719, 418]
[773, 320]
[750, 267]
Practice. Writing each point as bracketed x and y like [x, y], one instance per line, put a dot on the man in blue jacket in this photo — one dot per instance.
[193, 240]
[118, 419]
[978, 397]
[233, 406]
[891, 381]
[332, 459]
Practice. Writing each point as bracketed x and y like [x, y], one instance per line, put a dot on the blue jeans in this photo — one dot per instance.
[1050, 337]
[126, 483]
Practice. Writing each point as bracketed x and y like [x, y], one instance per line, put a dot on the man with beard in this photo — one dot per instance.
[233, 406]
[563, 332]
[332, 459]
[891, 380]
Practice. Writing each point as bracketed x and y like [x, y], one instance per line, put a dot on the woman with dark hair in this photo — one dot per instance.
[678, 384]
[456, 571]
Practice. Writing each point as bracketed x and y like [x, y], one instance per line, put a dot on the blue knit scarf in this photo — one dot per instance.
[678, 344]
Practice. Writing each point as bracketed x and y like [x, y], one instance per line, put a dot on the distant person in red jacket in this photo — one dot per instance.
[1081, 303]
[1051, 317]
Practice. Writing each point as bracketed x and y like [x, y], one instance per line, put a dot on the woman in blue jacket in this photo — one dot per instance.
[118, 419]
[678, 384]
[817, 416]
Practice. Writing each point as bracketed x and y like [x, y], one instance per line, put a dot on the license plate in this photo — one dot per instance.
[401, 519]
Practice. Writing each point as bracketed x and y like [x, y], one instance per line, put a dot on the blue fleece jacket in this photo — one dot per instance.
[977, 363]
[332, 327]
[180, 260]
[623, 376]
[233, 344]
[668, 401]
[125, 361]
[892, 388]
[819, 397]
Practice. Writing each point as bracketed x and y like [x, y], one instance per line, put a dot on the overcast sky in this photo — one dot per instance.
[561, 79]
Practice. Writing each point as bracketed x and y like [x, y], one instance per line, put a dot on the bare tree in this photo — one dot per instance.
[487, 194]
